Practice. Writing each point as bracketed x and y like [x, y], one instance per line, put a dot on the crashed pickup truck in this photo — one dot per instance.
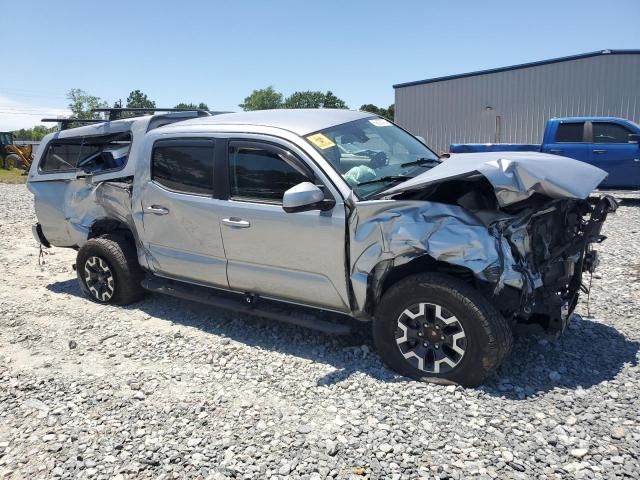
[336, 210]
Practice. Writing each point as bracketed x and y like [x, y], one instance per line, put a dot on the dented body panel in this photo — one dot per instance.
[396, 232]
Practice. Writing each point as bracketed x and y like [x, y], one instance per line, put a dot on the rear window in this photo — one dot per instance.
[94, 154]
[570, 132]
[184, 166]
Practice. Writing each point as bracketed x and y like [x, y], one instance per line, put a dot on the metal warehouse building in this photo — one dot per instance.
[512, 104]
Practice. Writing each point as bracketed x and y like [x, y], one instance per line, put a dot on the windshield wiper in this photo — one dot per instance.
[421, 161]
[387, 178]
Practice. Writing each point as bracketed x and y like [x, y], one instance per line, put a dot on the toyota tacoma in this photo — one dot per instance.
[309, 216]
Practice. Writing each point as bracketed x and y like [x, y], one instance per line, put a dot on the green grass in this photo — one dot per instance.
[12, 176]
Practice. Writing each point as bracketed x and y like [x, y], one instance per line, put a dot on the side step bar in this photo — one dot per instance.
[270, 309]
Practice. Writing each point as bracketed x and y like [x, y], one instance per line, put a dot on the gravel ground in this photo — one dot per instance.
[171, 389]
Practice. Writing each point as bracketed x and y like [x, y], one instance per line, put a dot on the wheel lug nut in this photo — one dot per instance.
[425, 344]
[425, 325]
[419, 334]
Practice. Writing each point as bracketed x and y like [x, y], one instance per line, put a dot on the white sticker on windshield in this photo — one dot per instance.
[379, 122]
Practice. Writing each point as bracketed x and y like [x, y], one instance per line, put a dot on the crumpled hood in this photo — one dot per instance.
[515, 176]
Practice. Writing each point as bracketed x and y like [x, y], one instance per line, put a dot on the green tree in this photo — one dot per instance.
[313, 99]
[391, 111]
[34, 134]
[137, 99]
[262, 99]
[192, 106]
[81, 104]
[306, 99]
[383, 112]
[331, 101]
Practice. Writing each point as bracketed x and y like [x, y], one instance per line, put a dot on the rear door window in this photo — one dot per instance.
[570, 132]
[184, 166]
[610, 133]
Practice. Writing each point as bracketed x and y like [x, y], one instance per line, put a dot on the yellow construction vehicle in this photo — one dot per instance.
[12, 155]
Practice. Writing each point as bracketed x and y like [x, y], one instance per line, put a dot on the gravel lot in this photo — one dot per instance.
[171, 389]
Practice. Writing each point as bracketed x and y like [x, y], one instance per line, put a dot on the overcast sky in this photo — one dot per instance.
[218, 52]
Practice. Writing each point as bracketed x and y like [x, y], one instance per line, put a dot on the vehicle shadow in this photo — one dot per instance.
[629, 202]
[589, 353]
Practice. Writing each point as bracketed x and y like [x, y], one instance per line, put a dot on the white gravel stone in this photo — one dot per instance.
[578, 452]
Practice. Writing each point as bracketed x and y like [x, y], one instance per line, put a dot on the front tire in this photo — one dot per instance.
[434, 327]
[108, 270]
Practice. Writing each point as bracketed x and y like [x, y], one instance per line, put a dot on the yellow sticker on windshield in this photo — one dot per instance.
[321, 141]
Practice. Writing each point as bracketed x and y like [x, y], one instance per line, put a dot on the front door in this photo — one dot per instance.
[612, 152]
[181, 218]
[299, 257]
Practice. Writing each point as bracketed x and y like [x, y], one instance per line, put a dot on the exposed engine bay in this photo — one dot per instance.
[550, 240]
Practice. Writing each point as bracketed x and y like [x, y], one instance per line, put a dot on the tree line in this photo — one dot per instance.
[82, 105]
[269, 98]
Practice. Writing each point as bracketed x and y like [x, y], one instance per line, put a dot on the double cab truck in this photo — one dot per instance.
[322, 217]
[609, 143]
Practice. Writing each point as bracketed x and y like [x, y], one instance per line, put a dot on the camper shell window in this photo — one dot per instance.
[95, 154]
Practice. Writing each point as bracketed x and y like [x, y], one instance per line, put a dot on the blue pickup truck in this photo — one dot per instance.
[611, 144]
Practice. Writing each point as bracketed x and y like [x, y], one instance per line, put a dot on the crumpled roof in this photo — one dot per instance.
[515, 176]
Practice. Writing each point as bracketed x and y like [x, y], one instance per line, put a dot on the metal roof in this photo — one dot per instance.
[299, 121]
[519, 66]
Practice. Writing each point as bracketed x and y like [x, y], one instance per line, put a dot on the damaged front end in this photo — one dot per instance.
[520, 228]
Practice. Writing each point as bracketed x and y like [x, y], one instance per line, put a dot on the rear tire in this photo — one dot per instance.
[108, 270]
[436, 328]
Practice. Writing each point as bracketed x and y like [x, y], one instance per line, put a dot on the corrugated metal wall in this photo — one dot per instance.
[464, 110]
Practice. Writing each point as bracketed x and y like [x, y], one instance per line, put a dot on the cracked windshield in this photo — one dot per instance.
[373, 154]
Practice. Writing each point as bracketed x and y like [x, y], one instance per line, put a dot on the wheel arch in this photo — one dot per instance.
[105, 225]
[388, 272]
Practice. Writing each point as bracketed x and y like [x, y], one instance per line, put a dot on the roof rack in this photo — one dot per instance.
[65, 122]
[114, 113]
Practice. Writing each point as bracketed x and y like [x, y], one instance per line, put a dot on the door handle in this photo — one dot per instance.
[637, 160]
[156, 210]
[555, 150]
[599, 151]
[236, 222]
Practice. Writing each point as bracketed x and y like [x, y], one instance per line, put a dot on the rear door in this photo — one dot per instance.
[181, 218]
[570, 140]
[612, 152]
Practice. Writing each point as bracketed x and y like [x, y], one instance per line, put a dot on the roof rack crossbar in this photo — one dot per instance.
[114, 113]
[65, 122]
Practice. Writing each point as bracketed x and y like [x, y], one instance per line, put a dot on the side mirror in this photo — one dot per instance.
[634, 137]
[303, 197]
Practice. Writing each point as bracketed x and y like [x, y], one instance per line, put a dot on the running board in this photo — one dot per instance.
[270, 309]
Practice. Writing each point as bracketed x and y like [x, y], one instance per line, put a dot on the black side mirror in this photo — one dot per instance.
[634, 138]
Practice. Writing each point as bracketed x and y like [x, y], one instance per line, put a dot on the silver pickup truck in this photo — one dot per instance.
[337, 214]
